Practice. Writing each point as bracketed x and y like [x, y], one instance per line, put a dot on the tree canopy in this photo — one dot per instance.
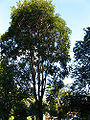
[81, 68]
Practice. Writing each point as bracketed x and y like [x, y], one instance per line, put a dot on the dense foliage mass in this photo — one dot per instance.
[6, 88]
[10, 95]
[81, 68]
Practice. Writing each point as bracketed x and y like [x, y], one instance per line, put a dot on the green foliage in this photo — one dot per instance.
[6, 89]
[63, 105]
[81, 68]
[69, 101]
[52, 97]
[11, 118]
[20, 111]
[10, 95]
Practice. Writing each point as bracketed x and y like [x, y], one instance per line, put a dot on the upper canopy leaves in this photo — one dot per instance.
[36, 36]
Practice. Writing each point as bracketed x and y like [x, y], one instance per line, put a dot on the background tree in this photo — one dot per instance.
[77, 99]
[81, 74]
[71, 102]
[81, 69]
[35, 41]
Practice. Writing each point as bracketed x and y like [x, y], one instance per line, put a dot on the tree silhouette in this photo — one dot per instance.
[81, 69]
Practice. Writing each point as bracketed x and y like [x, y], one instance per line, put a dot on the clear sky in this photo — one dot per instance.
[76, 13]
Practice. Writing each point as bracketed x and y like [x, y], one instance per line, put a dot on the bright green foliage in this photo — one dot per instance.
[35, 41]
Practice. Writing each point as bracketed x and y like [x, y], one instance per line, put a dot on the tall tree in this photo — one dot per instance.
[81, 69]
[36, 40]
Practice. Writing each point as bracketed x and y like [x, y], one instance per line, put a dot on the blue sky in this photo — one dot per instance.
[76, 13]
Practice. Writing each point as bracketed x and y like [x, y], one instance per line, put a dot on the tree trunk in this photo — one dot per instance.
[40, 113]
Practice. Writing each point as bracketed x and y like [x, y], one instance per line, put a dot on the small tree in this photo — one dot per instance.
[35, 41]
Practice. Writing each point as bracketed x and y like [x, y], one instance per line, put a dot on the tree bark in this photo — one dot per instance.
[33, 76]
[40, 113]
[38, 77]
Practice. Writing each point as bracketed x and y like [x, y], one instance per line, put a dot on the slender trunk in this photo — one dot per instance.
[40, 113]
[42, 73]
[33, 76]
[42, 87]
[45, 80]
[38, 77]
